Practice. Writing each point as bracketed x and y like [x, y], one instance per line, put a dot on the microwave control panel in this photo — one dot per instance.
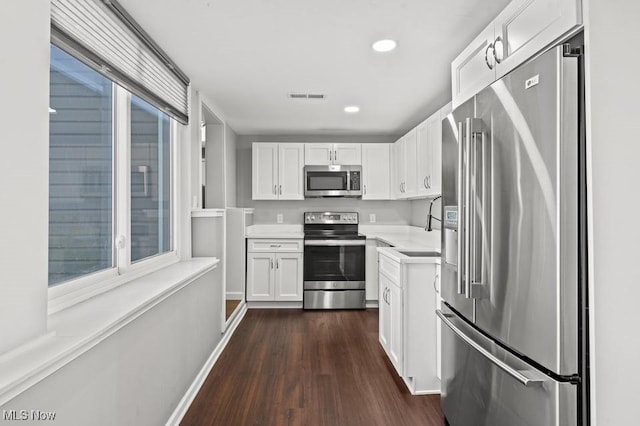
[355, 181]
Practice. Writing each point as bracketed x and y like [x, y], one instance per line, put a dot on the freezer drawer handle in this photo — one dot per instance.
[520, 376]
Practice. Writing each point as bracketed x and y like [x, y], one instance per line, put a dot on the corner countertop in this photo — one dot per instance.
[403, 236]
[397, 254]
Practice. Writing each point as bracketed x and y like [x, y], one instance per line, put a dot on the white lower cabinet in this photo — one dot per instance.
[407, 321]
[274, 272]
[288, 276]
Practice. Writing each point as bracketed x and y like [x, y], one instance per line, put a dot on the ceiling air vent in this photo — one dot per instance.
[316, 96]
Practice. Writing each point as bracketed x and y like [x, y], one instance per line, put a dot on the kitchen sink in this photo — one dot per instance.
[420, 253]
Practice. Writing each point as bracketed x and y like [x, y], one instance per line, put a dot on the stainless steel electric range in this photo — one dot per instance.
[334, 261]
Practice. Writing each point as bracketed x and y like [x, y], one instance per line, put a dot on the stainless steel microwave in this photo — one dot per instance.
[332, 181]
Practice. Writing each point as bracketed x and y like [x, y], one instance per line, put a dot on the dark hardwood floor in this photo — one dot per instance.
[294, 367]
[230, 306]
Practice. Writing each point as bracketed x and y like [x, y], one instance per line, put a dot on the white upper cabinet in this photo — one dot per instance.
[406, 166]
[527, 26]
[376, 175]
[429, 134]
[318, 154]
[522, 29]
[277, 171]
[424, 155]
[349, 154]
[474, 68]
[264, 169]
[291, 168]
[323, 154]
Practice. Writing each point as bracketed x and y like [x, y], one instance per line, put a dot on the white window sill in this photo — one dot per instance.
[77, 329]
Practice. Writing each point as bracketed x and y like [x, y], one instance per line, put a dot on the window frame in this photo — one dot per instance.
[68, 293]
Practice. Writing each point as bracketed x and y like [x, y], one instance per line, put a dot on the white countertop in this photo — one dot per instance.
[399, 236]
[275, 231]
[397, 255]
[404, 237]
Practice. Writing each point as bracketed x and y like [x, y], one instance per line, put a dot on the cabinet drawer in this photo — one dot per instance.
[390, 268]
[282, 246]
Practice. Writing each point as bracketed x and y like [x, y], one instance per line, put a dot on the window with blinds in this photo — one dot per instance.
[104, 36]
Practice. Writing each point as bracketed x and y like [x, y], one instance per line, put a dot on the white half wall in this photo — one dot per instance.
[613, 111]
[24, 171]
[138, 375]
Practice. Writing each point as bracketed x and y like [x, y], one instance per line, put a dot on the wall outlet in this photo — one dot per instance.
[279, 218]
[372, 218]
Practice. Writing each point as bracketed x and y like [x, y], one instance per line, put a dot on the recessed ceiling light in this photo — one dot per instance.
[351, 109]
[384, 45]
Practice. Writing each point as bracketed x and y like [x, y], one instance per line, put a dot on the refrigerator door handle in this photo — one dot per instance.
[478, 188]
[467, 208]
[523, 377]
[460, 201]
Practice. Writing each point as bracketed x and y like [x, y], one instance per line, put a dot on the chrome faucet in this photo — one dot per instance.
[430, 216]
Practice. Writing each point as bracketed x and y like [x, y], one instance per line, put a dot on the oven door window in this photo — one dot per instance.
[334, 263]
[327, 181]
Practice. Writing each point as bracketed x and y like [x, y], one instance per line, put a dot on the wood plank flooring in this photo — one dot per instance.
[230, 306]
[294, 367]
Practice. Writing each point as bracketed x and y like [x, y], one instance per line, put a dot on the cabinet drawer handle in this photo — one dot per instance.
[280, 189]
[271, 262]
[275, 189]
[486, 55]
[435, 280]
[275, 245]
[424, 182]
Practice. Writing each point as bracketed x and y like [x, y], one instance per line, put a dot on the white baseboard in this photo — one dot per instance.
[412, 388]
[274, 305]
[197, 383]
[371, 304]
[234, 295]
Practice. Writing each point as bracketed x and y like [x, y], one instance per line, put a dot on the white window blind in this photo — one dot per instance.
[107, 38]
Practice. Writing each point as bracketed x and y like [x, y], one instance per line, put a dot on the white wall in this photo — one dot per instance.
[387, 212]
[24, 170]
[612, 36]
[230, 145]
[138, 375]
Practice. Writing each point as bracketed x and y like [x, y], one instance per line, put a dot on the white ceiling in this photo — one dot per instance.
[247, 55]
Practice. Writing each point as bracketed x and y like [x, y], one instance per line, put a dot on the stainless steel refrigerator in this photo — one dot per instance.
[513, 251]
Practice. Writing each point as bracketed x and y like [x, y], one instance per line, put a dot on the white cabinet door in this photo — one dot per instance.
[376, 171]
[371, 271]
[411, 165]
[349, 154]
[434, 136]
[318, 154]
[394, 297]
[384, 321]
[289, 276]
[474, 68]
[424, 157]
[264, 171]
[436, 286]
[401, 169]
[260, 276]
[525, 27]
[290, 174]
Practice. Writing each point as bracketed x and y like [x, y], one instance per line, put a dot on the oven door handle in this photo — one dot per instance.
[334, 243]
